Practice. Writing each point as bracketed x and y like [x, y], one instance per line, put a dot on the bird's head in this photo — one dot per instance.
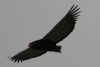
[30, 45]
[34, 43]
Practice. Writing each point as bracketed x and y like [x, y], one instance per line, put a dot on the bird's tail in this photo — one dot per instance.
[58, 49]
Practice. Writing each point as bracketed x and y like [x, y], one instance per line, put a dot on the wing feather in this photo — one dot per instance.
[27, 54]
[64, 27]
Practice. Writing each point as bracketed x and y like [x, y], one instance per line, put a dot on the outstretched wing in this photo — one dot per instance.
[64, 27]
[27, 54]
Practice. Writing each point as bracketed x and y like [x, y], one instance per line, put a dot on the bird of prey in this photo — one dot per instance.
[49, 41]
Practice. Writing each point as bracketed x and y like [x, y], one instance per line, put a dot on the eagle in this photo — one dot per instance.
[48, 43]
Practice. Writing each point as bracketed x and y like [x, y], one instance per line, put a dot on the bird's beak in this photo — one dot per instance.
[28, 45]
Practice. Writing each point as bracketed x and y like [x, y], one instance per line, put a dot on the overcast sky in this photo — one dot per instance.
[24, 21]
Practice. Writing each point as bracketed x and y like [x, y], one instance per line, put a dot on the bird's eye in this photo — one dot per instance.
[30, 45]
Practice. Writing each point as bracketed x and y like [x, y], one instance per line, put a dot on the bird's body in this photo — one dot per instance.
[49, 41]
[44, 45]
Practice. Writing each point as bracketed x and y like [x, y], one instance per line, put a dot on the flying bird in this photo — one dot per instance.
[48, 43]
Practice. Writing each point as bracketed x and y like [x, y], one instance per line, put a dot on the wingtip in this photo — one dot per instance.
[8, 56]
[74, 11]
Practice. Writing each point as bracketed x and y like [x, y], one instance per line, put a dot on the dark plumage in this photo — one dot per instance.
[48, 42]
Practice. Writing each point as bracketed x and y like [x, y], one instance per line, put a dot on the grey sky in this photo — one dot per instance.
[24, 21]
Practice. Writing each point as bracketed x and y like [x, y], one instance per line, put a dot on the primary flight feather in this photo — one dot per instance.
[48, 42]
